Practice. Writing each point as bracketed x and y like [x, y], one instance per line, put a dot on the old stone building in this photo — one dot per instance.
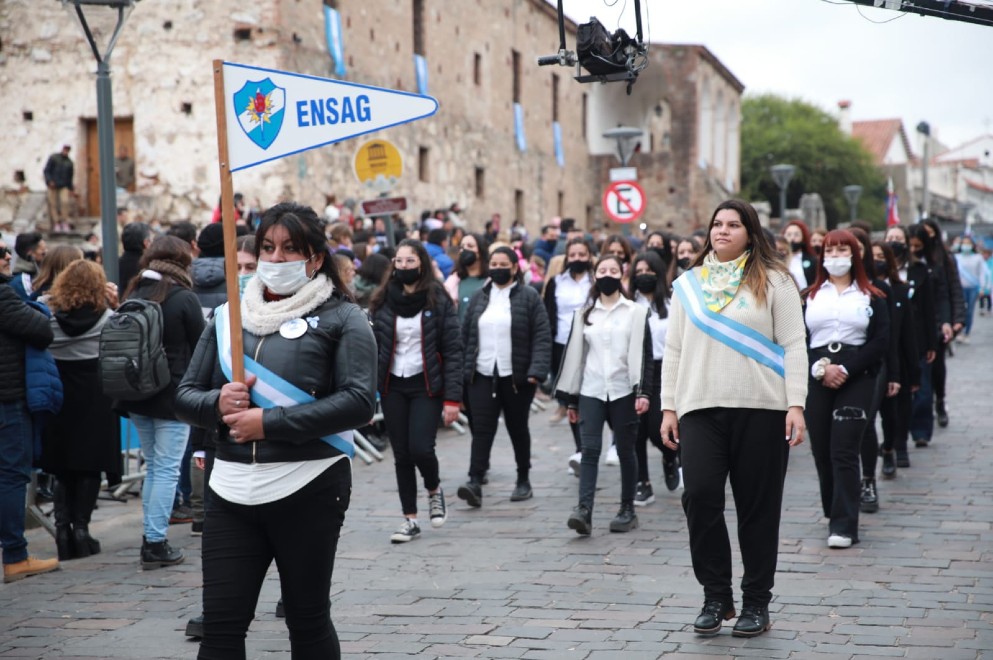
[509, 137]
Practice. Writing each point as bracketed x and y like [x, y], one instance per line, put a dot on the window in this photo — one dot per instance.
[555, 97]
[477, 69]
[419, 27]
[583, 117]
[243, 33]
[515, 57]
[480, 183]
[519, 205]
[423, 163]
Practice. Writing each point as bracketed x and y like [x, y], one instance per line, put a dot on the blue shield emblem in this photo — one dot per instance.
[259, 106]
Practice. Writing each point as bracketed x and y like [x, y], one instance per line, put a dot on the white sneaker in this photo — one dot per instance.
[574, 462]
[612, 456]
[839, 541]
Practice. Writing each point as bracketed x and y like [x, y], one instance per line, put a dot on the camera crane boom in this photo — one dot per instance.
[605, 57]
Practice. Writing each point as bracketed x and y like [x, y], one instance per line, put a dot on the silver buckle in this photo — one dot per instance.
[834, 347]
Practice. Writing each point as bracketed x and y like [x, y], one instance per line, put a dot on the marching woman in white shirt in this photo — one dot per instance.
[508, 349]
[606, 372]
[651, 290]
[848, 332]
[733, 380]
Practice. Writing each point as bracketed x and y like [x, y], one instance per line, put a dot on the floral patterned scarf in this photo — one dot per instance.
[720, 279]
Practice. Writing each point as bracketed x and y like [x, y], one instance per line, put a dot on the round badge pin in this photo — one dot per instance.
[293, 329]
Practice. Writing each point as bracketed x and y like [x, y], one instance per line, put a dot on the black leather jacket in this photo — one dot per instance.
[334, 362]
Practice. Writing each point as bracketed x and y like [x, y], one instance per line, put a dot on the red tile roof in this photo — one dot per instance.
[877, 135]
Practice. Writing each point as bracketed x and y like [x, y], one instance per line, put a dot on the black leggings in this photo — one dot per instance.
[240, 542]
[649, 427]
[411, 418]
[557, 351]
[487, 397]
[870, 439]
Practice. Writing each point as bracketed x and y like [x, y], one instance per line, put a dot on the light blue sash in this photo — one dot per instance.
[735, 335]
[270, 389]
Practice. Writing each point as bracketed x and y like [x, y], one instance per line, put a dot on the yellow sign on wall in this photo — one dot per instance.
[378, 164]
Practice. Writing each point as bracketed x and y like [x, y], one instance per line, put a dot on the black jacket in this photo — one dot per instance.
[530, 334]
[903, 365]
[441, 346]
[921, 296]
[59, 171]
[20, 324]
[183, 324]
[333, 362]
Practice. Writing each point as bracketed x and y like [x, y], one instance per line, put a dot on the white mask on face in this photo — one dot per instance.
[837, 266]
[284, 278]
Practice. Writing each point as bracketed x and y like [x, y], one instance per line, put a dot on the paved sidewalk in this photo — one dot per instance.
[511, 581]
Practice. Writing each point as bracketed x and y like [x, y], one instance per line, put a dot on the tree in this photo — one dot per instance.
[777, 130]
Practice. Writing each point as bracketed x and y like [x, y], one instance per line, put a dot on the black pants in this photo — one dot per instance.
[487, 397]
[240, 542]
[76, 497]
[749, 446]
[869, 448]
[411, 418]
[939, 372]
[592, 415]
[649, 427]
[895, 414]
[557, 351]
[836, 420]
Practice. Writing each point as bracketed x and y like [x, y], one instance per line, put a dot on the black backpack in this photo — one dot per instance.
[133, 364]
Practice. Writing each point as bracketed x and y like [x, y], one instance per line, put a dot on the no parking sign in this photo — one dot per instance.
[624, 201]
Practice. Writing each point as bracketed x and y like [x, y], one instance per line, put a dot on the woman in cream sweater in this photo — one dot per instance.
[740, 390]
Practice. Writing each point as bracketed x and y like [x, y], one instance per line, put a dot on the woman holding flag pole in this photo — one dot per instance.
[281, 481]
[734, 407]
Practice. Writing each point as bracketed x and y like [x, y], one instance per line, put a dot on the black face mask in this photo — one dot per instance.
[817, 250]
[500, 276]
[608, 285]
[796, 247]
[407, 275]
[664, 255]
[645, 282]
[918, 253]
[577, 267]
[683, 263]
[882, 268]
[467, 258]
[899, 249]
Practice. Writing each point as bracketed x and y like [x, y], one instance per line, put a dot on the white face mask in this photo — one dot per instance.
[837, 266]
[284, 278]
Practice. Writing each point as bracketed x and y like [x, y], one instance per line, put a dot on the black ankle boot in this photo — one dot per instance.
[753, 621]
[713, 614]
[159, 554]
[84, 545]
[625, 520]
[581, 520]
[83, 501]
[472, 492]
[63, 532]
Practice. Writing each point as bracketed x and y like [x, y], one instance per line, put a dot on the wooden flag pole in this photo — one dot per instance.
[230, 234]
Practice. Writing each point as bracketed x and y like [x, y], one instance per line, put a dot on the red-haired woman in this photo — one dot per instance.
[848, 331]
[802, 262]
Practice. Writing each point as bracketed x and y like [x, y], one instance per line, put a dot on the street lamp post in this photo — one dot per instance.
[852, 194]
[925, 130]
[91, 13]
[782, 174]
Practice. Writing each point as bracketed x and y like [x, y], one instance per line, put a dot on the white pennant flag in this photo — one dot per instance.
[273, 114]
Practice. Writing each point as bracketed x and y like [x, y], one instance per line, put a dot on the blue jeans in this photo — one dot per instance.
[184, 488]
[163, 442]
[922, 414]
[15, 472]
[971, 294]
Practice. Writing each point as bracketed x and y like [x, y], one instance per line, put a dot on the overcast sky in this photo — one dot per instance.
[915, 68]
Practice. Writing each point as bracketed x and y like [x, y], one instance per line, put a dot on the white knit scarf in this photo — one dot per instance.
[262, 317]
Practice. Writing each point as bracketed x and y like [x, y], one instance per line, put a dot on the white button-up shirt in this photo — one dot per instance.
[658, 327]
[570, 295]
[838, 317]
[796, 270]
[494, 334]
[407, 357]
[606, 375]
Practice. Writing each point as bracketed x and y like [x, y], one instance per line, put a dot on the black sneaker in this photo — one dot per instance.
[581, 520]
[522, 491]
[438, 512]
[869, 500]
[920, 443]
[280, 610]
[713, 614]
[643, 494]
[159, 554]
[408, 531]
[196, 528]
[940, 413]
[889, 464]
[902, 459]
[194, 627]
[671, 471]
[472, 492]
